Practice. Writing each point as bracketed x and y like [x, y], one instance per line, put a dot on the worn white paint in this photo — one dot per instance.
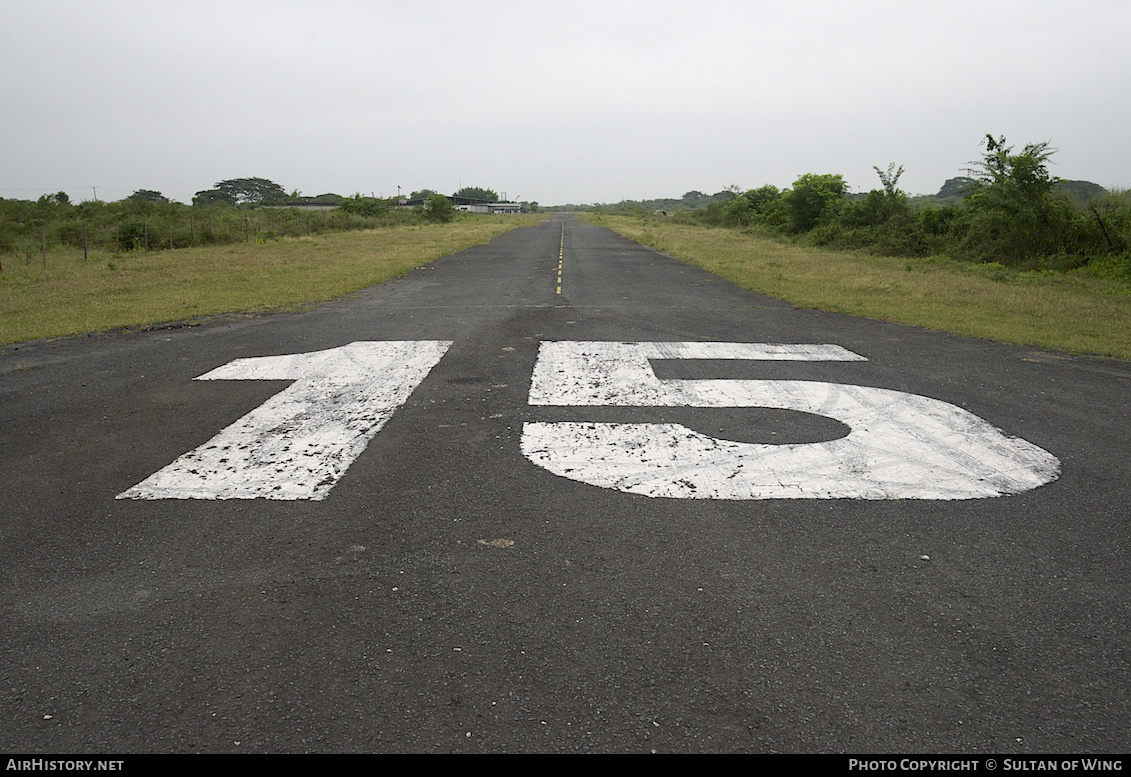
[901, 446]
[301, 441]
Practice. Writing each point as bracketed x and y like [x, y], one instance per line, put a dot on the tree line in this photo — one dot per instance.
[1008, 210]
[234, 210]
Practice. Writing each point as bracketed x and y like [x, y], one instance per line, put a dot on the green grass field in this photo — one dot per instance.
[71, 296]
[1074, 312]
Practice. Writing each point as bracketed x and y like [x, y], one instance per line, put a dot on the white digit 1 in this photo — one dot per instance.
[901, 446]
[297, 444]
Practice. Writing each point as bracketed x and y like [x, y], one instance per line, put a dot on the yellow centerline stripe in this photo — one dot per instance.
[561, 254]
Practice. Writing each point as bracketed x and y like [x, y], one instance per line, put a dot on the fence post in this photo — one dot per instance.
[84, 241]
[117, 238]
[170, 236]
[43, 236]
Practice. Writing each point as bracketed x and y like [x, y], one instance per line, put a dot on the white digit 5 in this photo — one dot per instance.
[301, 441]
[901, 446]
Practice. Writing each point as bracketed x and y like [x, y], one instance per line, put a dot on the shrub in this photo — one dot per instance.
[439, 208]
[812, 199]
[364, 206]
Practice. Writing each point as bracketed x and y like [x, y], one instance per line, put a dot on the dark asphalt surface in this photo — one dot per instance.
[379, 620]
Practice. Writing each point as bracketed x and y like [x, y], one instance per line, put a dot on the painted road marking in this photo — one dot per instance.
[561, 258]
[901, 446]
[301, 441]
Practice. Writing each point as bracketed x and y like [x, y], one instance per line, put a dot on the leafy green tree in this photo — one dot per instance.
[882, 207]
[890, 180]
[751, 206]
[693, 199]
[256, 191]
[147, 195]
[1013, 216]
[1023, 176]
[423, 194]
[883, 220]
[812, 198]
[959, 186]
[473, 193]
[439, 208]
[212, 197]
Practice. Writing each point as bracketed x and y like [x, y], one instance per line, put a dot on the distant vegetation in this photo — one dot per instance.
[478, 193]
[232, 211]
[145, 223]
[690, 201]
[1009, 212]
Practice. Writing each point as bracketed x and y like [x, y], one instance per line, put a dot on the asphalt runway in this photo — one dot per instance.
[562, 493]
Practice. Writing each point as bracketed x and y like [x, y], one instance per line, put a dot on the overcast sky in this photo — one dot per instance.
[554, 102]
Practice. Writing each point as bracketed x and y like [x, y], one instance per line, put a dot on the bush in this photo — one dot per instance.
[439, 208]
[1116, 267]
[364, 206]
[812, 199]
[750, 207]
[1013, 216]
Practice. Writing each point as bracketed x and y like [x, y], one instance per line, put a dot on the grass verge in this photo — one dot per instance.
[71, 296]
[1074, 312]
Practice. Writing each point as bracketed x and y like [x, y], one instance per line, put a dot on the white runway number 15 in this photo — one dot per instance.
[901, 446]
